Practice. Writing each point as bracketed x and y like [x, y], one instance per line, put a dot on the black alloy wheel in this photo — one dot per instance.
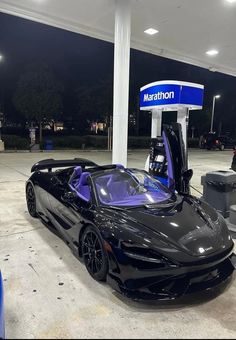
[31, 200]
[94, 254]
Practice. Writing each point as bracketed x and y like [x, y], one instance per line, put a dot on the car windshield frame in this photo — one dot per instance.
[132, 173]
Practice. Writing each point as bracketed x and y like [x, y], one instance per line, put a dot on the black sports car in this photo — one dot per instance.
[145, 239]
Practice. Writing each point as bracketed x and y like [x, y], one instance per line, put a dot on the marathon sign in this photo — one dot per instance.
[171, 95]
[158, 96]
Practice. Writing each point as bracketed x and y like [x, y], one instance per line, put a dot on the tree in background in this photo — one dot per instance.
[201, 120]
[38, 95]
[94, 102]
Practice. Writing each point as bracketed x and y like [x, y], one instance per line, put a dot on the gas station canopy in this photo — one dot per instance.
[187, 28]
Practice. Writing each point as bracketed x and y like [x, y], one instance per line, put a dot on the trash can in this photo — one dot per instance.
[48, 145]
[219, 190]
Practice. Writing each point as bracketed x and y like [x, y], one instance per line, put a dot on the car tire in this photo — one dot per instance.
[31, 200]
[94, 254]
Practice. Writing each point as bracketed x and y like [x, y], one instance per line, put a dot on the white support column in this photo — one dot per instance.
[156, 123]
[182, 118]
[121, 81]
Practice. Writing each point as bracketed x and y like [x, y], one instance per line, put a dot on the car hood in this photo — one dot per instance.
[189, 225]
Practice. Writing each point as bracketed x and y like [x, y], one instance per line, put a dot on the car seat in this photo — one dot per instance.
[120, 166]
[74, 178]
[83, 188]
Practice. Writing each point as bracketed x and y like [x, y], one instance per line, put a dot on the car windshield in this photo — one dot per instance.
[129, 188]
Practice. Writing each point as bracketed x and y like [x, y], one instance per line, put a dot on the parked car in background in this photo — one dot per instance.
[212, 140]
[227, 141]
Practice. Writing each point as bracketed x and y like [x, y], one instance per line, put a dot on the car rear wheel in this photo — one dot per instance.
[31, 200]
[94, 254]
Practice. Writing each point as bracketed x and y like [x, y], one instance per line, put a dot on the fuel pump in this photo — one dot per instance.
[157, 160]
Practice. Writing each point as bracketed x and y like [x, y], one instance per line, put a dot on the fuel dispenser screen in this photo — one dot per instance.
[158, 163]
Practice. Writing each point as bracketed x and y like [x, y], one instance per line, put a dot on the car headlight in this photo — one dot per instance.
[143, 257]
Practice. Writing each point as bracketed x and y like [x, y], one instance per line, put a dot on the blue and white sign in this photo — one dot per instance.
[171, 95]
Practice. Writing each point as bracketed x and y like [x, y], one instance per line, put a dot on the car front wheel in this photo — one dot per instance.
[94, 254]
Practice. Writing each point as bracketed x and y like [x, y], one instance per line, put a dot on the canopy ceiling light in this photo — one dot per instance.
[151, 31]
[212, 52]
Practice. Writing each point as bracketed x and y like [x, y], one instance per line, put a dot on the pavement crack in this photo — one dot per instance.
[32, 267]
[20, 180]
[19, 172]
[22, 232]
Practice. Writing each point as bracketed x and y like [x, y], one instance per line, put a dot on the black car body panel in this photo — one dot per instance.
[50, 163]
[159, 250]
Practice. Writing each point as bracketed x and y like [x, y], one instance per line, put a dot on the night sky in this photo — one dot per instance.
[78, 60]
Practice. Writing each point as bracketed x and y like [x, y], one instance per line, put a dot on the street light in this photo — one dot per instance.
[217, 96]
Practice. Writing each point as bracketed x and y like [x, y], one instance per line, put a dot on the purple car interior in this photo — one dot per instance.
[119, 187]
[123, 189]
[120, 166]
[169, 163]
[79, 182]
[82, 188]
[75, 175]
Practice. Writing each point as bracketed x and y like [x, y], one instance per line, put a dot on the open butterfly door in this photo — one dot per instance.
[179, 175]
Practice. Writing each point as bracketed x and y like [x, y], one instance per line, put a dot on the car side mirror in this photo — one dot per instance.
[69, 196]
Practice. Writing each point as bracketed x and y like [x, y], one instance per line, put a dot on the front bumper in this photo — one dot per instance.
[172, 283]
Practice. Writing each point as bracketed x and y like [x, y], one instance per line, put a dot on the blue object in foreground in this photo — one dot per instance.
[2, 322]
